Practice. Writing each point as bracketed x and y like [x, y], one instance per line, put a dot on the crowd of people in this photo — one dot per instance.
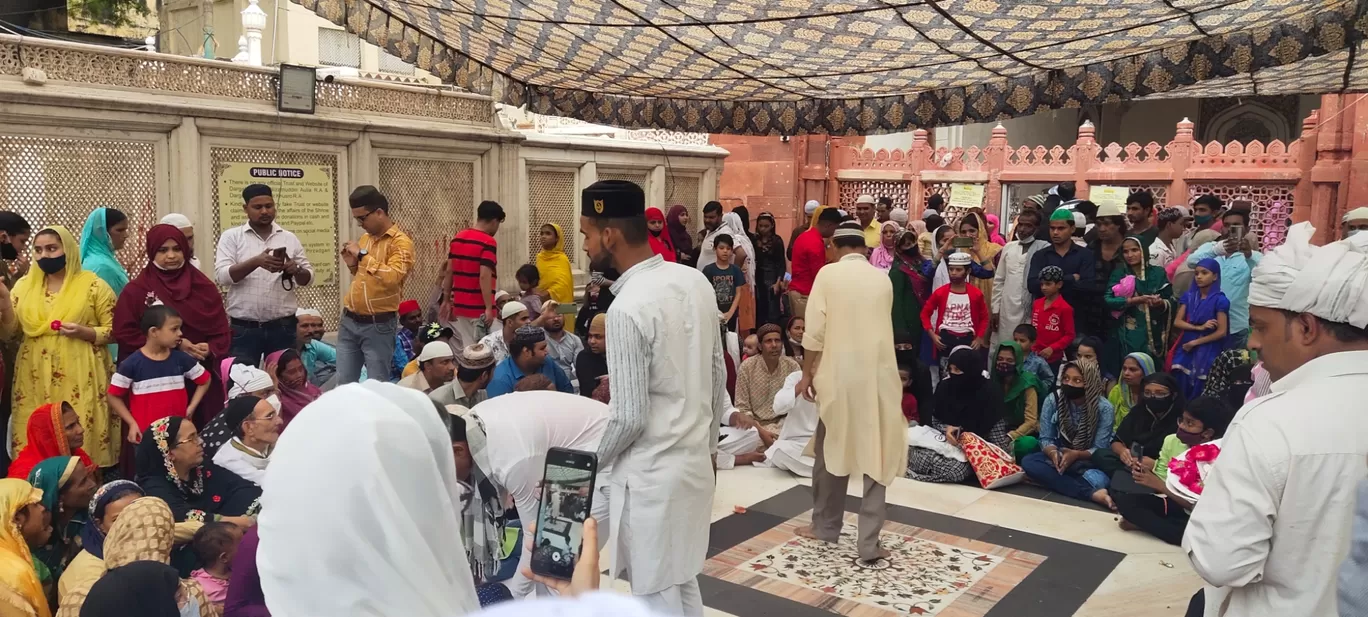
[1099, 352]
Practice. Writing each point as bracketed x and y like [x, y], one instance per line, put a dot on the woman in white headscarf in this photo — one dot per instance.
[743, 256]
[375, 460]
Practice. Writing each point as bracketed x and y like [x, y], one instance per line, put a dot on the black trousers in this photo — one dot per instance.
[1158, 516]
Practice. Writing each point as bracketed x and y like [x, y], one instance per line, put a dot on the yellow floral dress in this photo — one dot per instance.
[52, 367]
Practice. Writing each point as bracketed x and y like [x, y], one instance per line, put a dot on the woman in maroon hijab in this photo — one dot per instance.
[170, 280]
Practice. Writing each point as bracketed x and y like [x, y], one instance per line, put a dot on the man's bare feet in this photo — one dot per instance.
[806, 532]
[750, 458]
[1126, 525]
[1101, 497]
[883, 554]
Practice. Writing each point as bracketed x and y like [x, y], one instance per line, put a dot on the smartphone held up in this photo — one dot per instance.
[566, 500]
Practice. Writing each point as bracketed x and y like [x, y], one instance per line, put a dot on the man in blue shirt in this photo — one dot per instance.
[527, 355]
[1080, 288]
[1237, 257]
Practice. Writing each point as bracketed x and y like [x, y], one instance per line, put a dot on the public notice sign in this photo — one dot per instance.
[1109, 195]
[966, 195]
[306, 204]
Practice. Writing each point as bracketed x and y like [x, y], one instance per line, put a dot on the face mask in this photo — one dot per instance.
[1189, 439]
[1347, 234]
[274, 400]
[1202, 219]
[1027, 240]
[191, 608]
[52, 265]
[962, 383]
[163, 268]
[7, 251]
[1159, 403]
[1072, 393]
[1004, 369]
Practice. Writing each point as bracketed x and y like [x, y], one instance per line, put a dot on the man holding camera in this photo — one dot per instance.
[260, 263]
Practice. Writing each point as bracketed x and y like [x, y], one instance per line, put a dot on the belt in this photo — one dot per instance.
[247, 323]
[376, 318]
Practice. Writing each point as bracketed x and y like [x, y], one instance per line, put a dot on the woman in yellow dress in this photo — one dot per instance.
[554, 266]
[66, 317]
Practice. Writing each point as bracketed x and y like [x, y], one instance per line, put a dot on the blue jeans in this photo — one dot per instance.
[253, 343]
[1079, 481]
[360, 342]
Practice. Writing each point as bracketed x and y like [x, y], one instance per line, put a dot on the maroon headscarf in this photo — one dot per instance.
[186, 290]
[679, 235]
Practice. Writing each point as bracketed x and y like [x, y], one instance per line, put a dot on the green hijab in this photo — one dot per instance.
[1024, 380]
[49, 476]
[97, 252]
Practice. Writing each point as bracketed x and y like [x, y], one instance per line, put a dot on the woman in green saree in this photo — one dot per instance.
[1022, 394]
[1142, 295]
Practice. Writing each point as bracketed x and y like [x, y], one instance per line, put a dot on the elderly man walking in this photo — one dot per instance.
[850, 370]
[1273, 523]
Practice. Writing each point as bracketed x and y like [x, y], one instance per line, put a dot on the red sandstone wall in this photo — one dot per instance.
[758, 173]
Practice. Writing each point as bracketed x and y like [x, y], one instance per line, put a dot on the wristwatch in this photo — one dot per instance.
[361, 254]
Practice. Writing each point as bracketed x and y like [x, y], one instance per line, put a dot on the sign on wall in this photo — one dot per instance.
[306, 204]
[966, 195]
[1109, 195]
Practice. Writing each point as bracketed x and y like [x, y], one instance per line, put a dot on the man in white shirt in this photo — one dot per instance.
[787, 451]
[1273, 523]
[507, 438]
[1172, 222]
[261, 264]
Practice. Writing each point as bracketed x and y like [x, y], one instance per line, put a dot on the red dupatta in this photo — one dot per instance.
[46, 439]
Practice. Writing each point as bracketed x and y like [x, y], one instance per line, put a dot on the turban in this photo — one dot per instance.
[1052, 274]
[1060, 214]
[1357, 214]
[1330, 282]
[179, 221]
[245, 379]
[810, 207]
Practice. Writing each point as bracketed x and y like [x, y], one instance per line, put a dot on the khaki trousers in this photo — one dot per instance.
[828, 508]
[797, 304]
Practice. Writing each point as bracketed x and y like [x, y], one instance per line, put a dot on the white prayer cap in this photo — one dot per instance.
[1110, 209]
[434, 350]
[177, 220]
[245, 379]
[899, 215]
[1330, 282]
[1357, 214]
[512, 308]
[926, 214]
[865, 199]
[305, 312]
[811, 206]
[501, 294]
[958, 259]
[1080, 221]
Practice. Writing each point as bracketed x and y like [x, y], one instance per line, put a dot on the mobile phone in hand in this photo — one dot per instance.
[566, 500]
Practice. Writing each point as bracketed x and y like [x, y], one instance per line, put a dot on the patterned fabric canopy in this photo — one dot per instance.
[859, 66]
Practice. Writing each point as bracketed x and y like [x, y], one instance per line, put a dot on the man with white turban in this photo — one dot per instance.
[1273, 523]
[1354, 222]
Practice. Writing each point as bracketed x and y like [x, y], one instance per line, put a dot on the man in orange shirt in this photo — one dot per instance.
[379, 264]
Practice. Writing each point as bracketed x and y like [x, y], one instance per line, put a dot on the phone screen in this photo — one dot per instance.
[280, 252]
[567, 497]
[961, 242]
[567, 309]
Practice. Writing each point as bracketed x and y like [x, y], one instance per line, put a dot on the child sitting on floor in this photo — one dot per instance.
[1025, 335]
[1164, 515]
[215, 544]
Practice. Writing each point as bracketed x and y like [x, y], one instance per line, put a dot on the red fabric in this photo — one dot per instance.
[660, 243]
[1054, 326]
[186, 290]
[409, 306]
[659, 247]
[993, 466]
[471, 250]
[909, 407]
[809, 255]
[978, 309]
[46, 439]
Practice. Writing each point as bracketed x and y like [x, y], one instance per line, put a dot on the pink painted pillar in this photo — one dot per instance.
[1333, 149]
[1084, 158]
[1180, 152]
[1306, 160]
[916, 159]
[995, 160]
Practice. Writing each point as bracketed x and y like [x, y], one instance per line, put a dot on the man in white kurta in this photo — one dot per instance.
[848, 360]
[509, 437]
[668, 387]
[1011, 302]
[1273, 523]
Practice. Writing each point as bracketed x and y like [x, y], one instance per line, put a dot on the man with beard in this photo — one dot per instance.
[1011, 303]
[436, 368]
[319, 358]
[668, 393]
[712, 222]
[527, 356]
[1274, 519]
[562, 346]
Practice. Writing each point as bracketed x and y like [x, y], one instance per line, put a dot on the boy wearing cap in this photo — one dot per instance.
[960, 309]
[1052, 318]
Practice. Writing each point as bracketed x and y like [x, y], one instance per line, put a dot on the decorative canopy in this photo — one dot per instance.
[860, 66]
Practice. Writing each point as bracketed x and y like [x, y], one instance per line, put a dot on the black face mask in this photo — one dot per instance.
[8, 252]
[1159, 403]
[52, 265]
[1005, 369]
[1072, 393]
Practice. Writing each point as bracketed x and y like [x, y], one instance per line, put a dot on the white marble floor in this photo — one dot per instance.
[1153, 580]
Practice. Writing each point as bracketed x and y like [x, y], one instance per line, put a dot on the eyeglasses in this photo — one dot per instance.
[361, 220]
[266, 418]
[196, 438]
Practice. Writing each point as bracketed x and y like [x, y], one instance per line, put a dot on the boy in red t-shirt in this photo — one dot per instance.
[960, 309]
[153, 377]
[1052, 317]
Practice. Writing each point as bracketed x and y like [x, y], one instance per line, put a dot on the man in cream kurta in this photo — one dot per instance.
[1273, 523]
[668, 387]
[849, 363]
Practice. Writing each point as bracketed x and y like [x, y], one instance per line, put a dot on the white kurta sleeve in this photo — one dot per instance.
[628, 356]
[1230, 534]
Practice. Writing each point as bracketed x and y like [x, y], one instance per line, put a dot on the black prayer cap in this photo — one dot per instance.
[613, 199]
[255, 190]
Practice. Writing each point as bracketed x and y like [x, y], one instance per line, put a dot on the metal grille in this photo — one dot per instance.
[851, 190]
[338, 48]
[638, 176]
[391, 64]
[325, 297]
[55, 181]
[431, 200]
[551, 199]
[1271, 212]
[683, 190]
